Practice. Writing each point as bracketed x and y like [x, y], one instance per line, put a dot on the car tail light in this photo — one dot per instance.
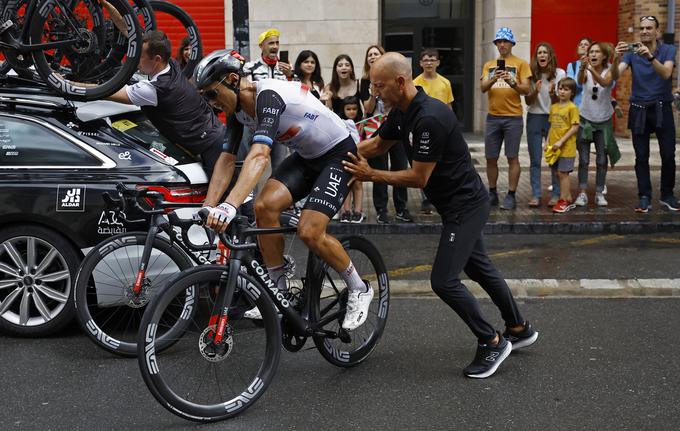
[179, 194]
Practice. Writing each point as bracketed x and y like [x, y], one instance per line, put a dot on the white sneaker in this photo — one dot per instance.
[600, 200]
[253, 313]
[581, 200]
[604, 190]
[357, 308]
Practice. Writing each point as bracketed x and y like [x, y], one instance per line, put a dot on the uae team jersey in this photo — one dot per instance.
[287, 112]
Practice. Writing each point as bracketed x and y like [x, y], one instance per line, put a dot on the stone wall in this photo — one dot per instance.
[326, 27]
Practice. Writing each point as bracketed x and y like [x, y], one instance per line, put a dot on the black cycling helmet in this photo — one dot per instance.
[216, 65]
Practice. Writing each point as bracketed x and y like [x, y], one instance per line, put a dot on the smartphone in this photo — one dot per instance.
[633, 47]
[283, 56]
[500, 64]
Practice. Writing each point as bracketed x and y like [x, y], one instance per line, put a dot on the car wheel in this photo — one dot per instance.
[37, 271]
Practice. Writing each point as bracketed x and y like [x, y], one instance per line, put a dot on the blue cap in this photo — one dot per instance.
[504, 33]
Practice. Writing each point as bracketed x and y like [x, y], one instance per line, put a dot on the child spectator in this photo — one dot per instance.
[350, 113]
[564, 123]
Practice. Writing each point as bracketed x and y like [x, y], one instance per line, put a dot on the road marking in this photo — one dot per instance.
[598, 240]
[666, 240]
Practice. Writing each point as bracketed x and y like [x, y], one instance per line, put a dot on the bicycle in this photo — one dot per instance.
[193, 379]
[71, 43]
[119, 275]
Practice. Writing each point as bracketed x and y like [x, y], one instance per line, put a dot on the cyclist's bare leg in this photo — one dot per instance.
[312, 231]
[269, 204]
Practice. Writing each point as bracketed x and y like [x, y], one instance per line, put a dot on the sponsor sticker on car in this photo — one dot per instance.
[71, 198]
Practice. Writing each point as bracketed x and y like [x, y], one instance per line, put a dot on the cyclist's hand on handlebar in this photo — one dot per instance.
[220, 216]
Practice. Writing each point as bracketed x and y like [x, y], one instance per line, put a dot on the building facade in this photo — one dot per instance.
[462, 30]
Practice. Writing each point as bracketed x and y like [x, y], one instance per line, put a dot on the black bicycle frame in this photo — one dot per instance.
[227, 286]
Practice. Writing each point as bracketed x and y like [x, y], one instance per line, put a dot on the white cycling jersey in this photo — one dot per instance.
[287, 112]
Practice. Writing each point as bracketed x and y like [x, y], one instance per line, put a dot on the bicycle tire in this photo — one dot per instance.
[369, 263]
[76, 90]
[144, 10]
[195, 42]
[96, 305]
[157, 367]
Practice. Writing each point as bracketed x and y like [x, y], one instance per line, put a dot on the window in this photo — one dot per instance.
[438, 9]
[25, 143]
[135, 126]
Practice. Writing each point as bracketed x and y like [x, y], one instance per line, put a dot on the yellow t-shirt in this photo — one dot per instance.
[439, 88]
[503, 100]
[562, 117]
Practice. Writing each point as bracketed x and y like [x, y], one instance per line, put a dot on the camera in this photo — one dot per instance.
[633, 47]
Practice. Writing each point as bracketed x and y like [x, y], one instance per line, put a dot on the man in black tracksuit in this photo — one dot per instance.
[441, 164]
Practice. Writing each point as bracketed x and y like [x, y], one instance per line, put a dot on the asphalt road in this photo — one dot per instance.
[598, 364]
[409, 257]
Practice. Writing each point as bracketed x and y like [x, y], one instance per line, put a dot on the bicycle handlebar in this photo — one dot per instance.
[289, 221]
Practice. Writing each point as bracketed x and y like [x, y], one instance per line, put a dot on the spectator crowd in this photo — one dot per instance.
[568, 111]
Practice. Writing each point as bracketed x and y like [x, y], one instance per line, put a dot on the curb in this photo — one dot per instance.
[494, 228]
[550, 287]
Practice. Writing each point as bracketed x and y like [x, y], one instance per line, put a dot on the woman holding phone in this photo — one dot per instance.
[597, 77]
[544, 79]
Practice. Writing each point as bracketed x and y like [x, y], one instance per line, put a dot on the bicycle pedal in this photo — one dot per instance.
[343, 335]
[6, 26]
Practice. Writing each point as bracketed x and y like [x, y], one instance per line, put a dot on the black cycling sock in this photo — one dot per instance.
[492, 189]
[511, 192]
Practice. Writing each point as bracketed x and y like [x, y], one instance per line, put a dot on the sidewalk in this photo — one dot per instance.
[618, 217]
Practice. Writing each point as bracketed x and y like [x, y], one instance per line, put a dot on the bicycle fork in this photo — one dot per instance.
[225, 294]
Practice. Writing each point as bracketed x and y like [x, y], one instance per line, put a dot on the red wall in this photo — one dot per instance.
[209, 16]
[562, 23]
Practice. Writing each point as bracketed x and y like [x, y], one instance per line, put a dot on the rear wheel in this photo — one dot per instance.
[37, 267]
[329, 301]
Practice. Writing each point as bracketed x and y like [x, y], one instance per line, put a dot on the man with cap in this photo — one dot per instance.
[505, 79]
[267, 66]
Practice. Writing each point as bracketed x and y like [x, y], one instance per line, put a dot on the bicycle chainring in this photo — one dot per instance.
[293, 343]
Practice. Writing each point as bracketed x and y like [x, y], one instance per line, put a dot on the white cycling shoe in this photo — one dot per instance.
[253, 313]
[357, 308]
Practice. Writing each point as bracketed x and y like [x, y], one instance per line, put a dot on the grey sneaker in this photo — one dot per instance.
[581, 200]
[509, 203]
[671, 203]
[382, 218]
[493, 198]
[600, 200]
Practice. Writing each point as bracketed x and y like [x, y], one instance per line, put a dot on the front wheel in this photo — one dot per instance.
[196, 378]
[328, 296]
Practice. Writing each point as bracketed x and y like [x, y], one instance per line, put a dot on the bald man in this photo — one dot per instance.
[441, 164]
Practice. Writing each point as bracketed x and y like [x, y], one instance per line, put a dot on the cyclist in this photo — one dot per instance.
[441, 164]
[287, 113]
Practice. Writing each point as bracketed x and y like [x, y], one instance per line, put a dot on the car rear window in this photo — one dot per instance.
[137, 127]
